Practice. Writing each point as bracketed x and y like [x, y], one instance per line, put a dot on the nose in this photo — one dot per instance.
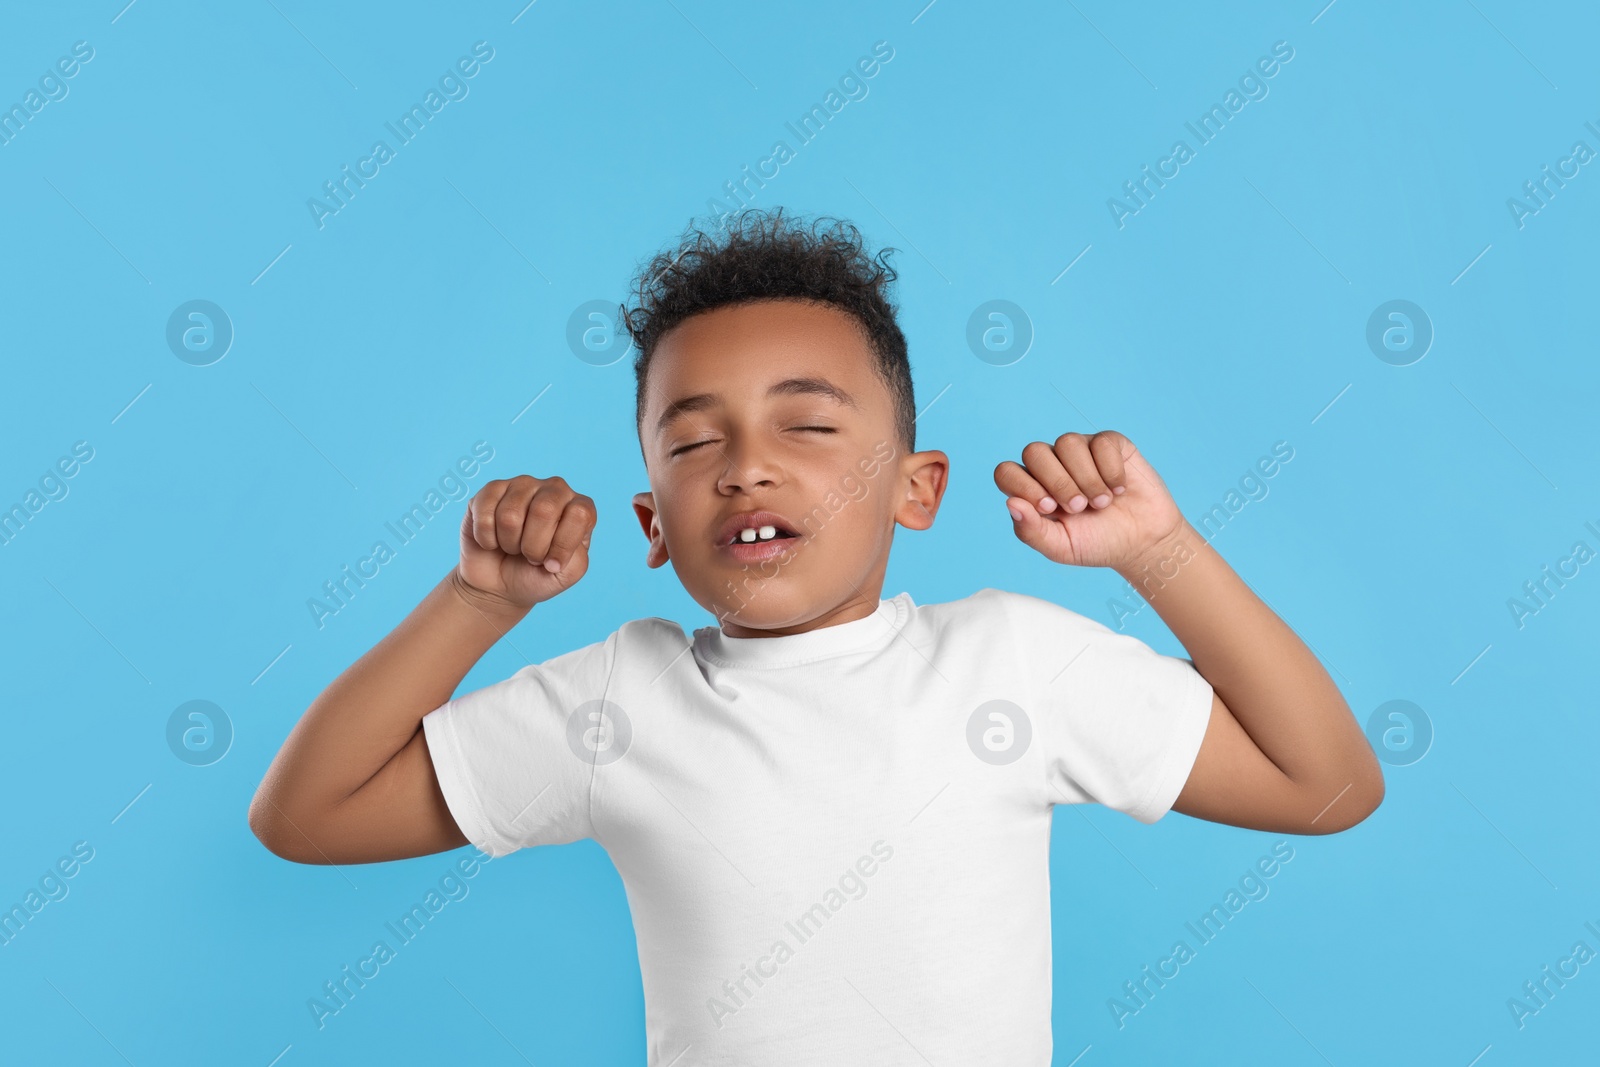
[748, 465]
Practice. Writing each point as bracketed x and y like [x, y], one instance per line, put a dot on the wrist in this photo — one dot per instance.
[1162, 558]
[496, 609]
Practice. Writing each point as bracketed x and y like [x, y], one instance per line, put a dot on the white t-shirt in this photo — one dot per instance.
[835, 844]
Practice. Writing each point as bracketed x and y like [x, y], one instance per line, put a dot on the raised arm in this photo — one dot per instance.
[1281, 751]
[354, 782]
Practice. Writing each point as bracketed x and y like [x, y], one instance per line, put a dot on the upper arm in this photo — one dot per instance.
[398, 813]
[1234, 782]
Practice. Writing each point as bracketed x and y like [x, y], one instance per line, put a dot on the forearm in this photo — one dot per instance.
[1270, 681]
[372, 710]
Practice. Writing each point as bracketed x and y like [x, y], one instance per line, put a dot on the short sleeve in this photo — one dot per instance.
[1123, 723]
[509, 773]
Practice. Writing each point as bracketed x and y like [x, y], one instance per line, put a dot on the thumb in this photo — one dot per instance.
[1026, 522]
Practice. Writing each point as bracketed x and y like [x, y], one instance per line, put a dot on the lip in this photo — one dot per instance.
[743, 520]
[756, 551]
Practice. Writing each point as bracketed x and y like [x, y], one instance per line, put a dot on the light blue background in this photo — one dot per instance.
[1224, 317]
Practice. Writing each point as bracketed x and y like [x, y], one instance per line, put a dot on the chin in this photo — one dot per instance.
[772, 604]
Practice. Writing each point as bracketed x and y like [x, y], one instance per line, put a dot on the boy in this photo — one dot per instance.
[831, 813]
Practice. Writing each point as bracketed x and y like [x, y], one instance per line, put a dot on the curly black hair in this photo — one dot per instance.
[761, 255]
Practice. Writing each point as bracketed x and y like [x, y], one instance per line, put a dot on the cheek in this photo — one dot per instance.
[685, 529]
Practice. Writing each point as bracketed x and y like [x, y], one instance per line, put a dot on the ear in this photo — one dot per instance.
[644, 506]
[926, 474]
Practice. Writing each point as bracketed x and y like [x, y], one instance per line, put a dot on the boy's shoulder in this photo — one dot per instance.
[1010, 607]
[656, 630]
[600, 651]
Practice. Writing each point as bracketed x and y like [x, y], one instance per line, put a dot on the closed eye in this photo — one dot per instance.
[697, 444]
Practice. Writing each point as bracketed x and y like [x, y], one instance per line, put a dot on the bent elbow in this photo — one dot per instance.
[277, 833]
[264, 826]
[1350, 811]
[1372, 796]
[1374, 801]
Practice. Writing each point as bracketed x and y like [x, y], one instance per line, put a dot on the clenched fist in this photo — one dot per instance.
[525, 539]
[1088, 501]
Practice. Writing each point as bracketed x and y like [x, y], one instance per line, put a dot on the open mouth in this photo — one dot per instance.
[756, 535]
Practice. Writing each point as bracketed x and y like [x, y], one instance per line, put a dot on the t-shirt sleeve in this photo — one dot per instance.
[510, 773]
[1122, 723]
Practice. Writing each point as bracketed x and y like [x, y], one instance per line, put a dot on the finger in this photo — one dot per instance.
[510, 514]
[1106, 447]
[1026, 522]
[1014, 480]
[481, 512]
[1046, 468]
[542, 514]
[1073, 451]
[571, 537]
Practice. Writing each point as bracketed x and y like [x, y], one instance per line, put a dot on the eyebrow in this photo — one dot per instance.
[788, 387]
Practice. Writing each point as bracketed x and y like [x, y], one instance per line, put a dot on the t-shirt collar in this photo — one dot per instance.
[867, 632]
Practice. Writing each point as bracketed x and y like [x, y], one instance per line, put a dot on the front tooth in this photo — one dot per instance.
[764, 533]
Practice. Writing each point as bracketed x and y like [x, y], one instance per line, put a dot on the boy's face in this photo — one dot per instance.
[761, 432]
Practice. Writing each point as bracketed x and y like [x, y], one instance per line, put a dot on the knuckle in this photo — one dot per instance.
[545, 507]
[1035, 450]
